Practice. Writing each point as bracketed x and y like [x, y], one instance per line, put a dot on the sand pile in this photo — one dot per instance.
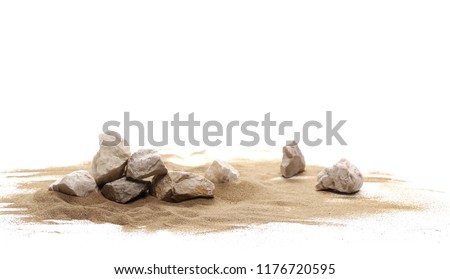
[259, 197]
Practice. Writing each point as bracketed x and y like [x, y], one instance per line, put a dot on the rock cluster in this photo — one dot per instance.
[123, 177]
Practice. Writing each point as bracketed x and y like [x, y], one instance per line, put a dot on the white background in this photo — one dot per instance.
[66, 67]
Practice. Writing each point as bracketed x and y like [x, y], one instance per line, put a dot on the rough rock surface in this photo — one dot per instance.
[293, 161]
[78, 183]
[178, 186]
[220, 171]
[110, 161]
[343, 177]
[145, 163]
[124, 190]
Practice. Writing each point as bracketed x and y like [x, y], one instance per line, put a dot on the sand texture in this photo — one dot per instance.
[260, 196]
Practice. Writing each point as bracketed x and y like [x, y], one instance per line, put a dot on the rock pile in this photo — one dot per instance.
[123, 177]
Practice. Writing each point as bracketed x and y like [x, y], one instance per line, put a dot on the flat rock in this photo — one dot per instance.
[220, 172]
[343, 177]
[145, 163]
[177, 186]
[124, 190]
[293, 161]
[110, 161]
[77, 183]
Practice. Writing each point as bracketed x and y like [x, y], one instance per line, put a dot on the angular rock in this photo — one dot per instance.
[293, 161]
[124, 190]
[220, 172]
[177, 186]
[77, 183]
[145, 163]
[110, 161]
[343, 177]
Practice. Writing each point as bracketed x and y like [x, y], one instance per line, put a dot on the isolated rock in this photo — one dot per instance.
[145, 163]
[343, 177]
[124, 190]
[293, 161]
[77, 183]
[178, 186]
[110, 161]
[220, 171]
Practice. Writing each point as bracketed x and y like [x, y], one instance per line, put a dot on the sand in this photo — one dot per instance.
[261, 196]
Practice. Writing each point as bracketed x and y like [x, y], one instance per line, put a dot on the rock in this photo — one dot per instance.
[77, 183]
[293, 161]
[220, 171]
[110, 161]
[343, 177]
[124, 190]
[145, 163]
[178, 186]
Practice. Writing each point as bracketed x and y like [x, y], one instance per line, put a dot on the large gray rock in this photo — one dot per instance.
[293, 161]
[178, 186]
[145, 163]
[124, 190]
[220, 171]
[77, 183]
[343, 177]
[110, 161]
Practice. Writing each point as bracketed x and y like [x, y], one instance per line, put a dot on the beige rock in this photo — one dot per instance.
[220, 171]
[145, 163]
[78, 183]
[343, 177]
[110, 161]
[178, 186]
[293, 161]
[124, 190]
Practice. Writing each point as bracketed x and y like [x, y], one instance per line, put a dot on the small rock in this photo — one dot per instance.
[293, 161]
[145, 163]
[343, 177]
[177, 186]
[110, 161]
[124, 190]
[78, 183]
[221, 171]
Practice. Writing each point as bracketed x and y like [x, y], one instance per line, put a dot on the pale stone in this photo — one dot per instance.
[293, 161]
[145, 163]
[124, 190]
[178, 186]
[343, 177]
